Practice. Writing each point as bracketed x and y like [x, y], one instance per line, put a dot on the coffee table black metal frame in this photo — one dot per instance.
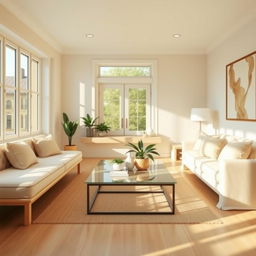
[99, 191]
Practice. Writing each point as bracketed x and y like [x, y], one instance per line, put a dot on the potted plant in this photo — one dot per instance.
[118, 164]
[102, 128]
[142, 154]
[89, 123]
[70, 129]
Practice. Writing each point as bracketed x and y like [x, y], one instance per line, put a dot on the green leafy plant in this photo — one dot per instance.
[69, 127]
[89, 121]
[142, 152]
[102, 127]
[117, 161]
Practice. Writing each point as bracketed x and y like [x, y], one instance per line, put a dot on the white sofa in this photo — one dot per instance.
[23, 187]
[234, 180]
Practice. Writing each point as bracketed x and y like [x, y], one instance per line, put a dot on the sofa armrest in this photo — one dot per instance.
[237, 184]
[187, 145]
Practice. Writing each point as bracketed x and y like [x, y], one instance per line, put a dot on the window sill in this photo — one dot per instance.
[121, 139]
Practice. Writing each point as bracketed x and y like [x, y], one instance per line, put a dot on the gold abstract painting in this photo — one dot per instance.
[241, 89]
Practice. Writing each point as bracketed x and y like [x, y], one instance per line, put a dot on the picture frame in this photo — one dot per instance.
[241, 89]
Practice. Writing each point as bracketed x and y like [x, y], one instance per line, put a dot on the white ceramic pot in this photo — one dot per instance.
[118, 167]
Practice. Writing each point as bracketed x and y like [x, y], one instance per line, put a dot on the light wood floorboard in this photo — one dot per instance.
[237, 236]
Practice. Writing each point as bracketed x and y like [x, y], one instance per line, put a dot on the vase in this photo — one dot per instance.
[129, 162]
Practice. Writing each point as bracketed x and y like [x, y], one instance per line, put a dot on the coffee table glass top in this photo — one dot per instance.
[156, 174]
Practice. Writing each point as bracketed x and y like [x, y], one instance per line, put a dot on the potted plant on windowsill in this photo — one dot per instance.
[142, 154]
[89, 124]
[70, 129]
[102, 128]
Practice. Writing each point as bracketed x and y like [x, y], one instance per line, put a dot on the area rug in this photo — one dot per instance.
[65, 203]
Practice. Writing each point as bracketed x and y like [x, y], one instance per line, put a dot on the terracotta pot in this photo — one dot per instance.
[141, 164]
[72, 147]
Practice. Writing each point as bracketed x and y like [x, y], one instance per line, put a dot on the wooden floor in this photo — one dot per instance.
[237, 236]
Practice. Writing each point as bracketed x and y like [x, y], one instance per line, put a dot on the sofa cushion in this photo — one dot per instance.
[212, 147]
[46, 146]
[236, 150]
[27, 183]
[253, 151]
[20, 155]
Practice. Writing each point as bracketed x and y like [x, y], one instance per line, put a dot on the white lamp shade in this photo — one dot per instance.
[201, 115]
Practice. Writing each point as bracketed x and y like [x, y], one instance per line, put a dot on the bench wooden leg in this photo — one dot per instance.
[78, 168]
[27, 214]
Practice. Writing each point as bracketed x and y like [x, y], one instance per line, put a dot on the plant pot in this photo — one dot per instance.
[101, 134]
[89, 131]
[72, 147]
[118, 167]
[141, 164]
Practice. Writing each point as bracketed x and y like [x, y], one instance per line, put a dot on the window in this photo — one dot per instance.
[21, 91]
[122, 71]
[10, 85]
[125, 100]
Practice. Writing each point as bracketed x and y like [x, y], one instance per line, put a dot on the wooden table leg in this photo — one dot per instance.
[78, 168]
[27, 214]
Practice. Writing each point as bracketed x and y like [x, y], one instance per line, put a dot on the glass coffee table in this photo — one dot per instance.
[102, 177]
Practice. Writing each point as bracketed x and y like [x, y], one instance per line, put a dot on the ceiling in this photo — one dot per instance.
[133, 26]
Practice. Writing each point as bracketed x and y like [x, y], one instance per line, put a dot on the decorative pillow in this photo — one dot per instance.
[46, 147]
[236, 150]
[20, 155]
[253, 151]
[199, 143]
[4, 163]
[213, 146]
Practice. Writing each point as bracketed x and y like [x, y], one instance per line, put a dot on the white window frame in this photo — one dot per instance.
[26, 53]
[8, 43]
[38, 92]
[18, 133]
[97, 80]
[126, 115]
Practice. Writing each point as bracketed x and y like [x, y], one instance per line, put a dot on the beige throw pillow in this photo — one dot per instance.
[46, 147]
[236, 150]
[20, 155]
[4, 163]
[213, 146]
[253, 151]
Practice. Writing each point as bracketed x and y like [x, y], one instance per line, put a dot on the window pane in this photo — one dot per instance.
[137, 109]
[118, 71]
[24, 62]
[112, 108]
[24, 112]
[10, 66]
[10, 111]
[34, 76]
[34, 112]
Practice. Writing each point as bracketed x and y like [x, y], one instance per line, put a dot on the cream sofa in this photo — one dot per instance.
[234, 180]
[24, 187]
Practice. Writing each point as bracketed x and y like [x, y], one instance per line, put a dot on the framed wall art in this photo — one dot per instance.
[241, 89]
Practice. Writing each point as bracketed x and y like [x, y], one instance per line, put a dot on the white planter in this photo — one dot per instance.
[118, 167]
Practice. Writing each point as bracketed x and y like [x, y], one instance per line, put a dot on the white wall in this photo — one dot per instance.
[181, 86]
[14, 29]
[236, 46]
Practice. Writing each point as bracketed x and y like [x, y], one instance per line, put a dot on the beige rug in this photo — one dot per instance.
[66, 203]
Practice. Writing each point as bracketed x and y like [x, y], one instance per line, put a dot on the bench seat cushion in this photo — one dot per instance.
[27, 183]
